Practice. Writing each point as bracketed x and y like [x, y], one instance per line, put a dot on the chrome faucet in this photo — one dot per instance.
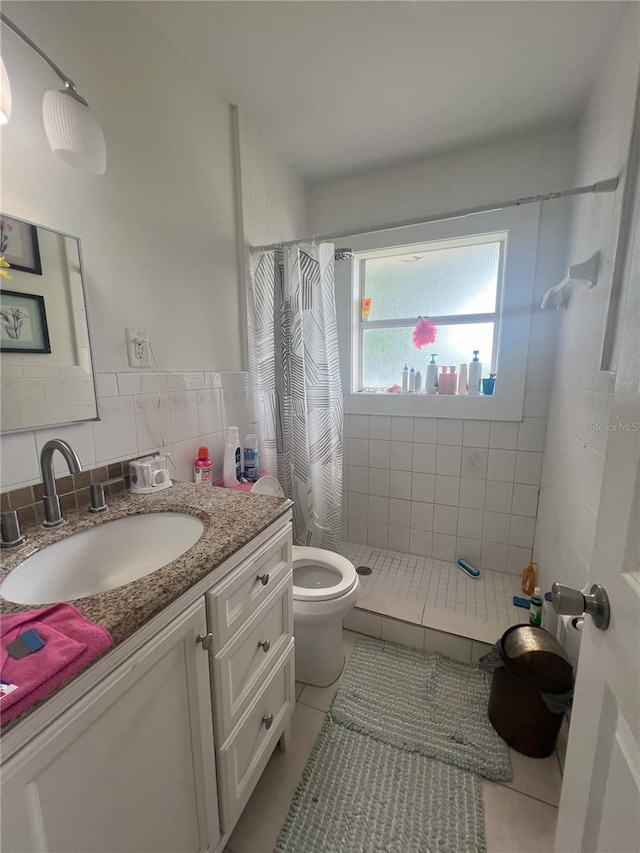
[52, 514]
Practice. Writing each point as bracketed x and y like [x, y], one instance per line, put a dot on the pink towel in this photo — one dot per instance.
[72, 642]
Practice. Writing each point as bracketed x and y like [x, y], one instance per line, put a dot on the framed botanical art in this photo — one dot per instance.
[19, 245]
[23, 323]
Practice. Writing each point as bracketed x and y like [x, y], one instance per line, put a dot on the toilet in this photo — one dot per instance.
[325, 589]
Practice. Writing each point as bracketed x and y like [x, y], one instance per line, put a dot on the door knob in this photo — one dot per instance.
[264, 579]
[571, 602]
[265, 644]
[267, 720]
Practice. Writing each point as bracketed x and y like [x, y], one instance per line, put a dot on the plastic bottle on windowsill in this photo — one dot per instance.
[431, 380]
[475, 374]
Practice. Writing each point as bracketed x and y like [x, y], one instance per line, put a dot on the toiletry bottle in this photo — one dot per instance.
[462, 379]
[475, 374]
[412, 380]
[203, 468]
[251, 457]
[443, 381]
[405, 379]
[535, 608]
[431, 382]
[418, 381]
[453, 380]
[231, 467]
[529, 578]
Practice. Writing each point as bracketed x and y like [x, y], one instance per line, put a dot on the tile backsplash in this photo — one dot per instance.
[444, 488]
[141, 413]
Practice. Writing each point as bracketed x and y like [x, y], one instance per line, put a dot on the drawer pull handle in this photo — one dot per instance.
[266, 645]
[264, 579]
[206, 640]
[267, 720]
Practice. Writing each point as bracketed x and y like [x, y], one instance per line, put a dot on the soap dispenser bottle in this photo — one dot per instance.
[431, 380]
[475, 374]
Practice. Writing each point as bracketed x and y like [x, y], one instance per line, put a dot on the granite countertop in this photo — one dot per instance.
[231, 519]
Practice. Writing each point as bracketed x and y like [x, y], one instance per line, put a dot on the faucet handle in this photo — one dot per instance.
[96, 491]
[98, 503]
[10, 528]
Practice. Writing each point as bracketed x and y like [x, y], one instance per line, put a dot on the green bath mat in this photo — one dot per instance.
[421, 702]
[358, 795]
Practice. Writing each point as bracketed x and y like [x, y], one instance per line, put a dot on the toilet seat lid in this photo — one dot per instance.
[328, 575]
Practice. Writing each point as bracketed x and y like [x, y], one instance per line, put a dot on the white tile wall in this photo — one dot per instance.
[573, 464]
[451, 465]
[405, 492]
[144, 412]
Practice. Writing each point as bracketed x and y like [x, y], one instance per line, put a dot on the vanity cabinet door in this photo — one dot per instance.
[130, 767]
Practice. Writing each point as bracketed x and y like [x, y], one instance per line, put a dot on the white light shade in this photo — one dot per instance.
[5, 94]
[74, 133]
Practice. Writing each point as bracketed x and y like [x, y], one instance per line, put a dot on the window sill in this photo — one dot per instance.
[497, 407]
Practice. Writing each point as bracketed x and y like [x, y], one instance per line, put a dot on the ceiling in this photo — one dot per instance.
[338, 87]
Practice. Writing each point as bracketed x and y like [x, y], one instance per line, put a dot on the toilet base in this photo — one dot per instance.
[319, 653]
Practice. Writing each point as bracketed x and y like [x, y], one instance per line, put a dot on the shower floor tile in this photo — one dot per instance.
[436, 593]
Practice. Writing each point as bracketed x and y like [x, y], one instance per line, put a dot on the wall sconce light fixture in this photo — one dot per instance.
[73, 132]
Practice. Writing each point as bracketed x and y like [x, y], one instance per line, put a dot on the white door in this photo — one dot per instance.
[600, 800]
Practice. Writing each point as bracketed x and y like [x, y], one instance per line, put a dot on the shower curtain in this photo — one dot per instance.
[294, 372]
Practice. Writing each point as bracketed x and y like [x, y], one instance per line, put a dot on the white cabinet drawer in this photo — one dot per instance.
[244, 755]
[232, 601]
[242, 665]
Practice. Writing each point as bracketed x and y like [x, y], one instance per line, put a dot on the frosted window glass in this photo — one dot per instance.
[457, 280]
[386, 351]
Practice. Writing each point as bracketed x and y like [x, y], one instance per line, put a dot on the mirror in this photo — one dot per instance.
[47, 375]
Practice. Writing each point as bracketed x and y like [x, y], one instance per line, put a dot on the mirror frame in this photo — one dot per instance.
[87, 312]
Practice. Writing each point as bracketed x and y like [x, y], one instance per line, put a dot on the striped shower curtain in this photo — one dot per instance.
[295, 374]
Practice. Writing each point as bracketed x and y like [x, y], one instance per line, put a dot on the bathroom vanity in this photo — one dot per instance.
[158, 745]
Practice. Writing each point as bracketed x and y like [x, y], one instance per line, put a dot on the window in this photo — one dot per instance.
[455, 284]
[472, 277]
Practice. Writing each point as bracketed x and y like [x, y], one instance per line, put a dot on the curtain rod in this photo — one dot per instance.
[607, 186]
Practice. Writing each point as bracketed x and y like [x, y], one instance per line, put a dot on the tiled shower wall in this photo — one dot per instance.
[141, 413]
[446, 488]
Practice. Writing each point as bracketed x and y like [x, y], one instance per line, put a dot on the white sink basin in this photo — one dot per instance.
[102, 558]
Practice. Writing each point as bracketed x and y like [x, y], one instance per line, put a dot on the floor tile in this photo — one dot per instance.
[537, 777]
[516, 823]
[319, 698]
[264, 814]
